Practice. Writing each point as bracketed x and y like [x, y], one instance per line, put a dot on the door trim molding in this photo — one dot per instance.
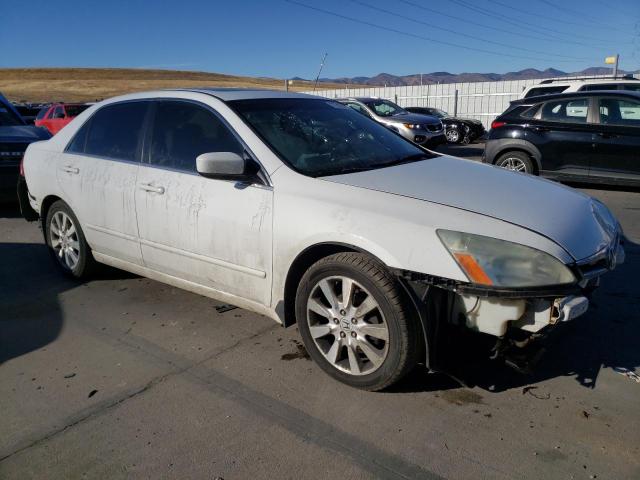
[203, 258]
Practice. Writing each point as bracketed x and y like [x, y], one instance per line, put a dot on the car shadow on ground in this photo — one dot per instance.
[31, 316]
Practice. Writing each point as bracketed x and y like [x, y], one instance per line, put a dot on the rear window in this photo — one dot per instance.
[43, 111]
[115, 131]
[546, 90]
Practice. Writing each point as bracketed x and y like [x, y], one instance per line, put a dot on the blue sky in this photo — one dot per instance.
[278, 38]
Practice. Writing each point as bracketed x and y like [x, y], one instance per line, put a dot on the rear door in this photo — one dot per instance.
[617, 141]
[562, 130]
[98, 173]
[211, 232]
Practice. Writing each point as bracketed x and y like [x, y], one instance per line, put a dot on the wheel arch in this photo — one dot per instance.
[45, 205]
[524, 147]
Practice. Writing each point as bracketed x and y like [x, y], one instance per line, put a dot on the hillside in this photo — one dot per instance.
[90, 84]
[390, 80]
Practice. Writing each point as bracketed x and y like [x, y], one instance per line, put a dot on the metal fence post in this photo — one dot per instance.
[396, 98]
[455, 103]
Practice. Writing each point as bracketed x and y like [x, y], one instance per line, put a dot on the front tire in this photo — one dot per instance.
[353, 321]
[453, 135]
[67, 243]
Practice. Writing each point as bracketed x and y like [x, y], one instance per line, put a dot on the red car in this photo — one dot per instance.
[57, 115]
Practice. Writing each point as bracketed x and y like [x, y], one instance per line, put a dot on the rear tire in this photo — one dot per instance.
[66, 242]
[453, 135]
[353, 321]
[516, 161]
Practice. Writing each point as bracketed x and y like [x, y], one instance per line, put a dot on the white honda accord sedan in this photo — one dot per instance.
[299, 208]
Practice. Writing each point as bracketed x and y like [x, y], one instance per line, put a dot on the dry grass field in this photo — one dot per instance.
[90, 84]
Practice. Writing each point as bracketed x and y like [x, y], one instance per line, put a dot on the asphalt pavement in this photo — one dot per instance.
[124, 377]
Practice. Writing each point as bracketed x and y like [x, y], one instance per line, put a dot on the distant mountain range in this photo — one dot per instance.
[390, 80]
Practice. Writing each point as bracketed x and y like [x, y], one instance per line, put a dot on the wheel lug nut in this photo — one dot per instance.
[353, 334]
[342, 334]
[354, 321]
[342, 312]
[335, 320]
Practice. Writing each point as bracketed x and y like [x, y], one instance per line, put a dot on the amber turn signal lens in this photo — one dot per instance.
[472, 269]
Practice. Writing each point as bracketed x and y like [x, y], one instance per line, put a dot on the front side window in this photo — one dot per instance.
[570, 110]
[115, 131]
[181, 131]
[358, 108]
[318, 137]
[384, 108]
[58, 112]
[615, 111]
[599, 86]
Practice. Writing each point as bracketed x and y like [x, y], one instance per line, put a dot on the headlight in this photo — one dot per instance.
[489, 261]
[412, 126]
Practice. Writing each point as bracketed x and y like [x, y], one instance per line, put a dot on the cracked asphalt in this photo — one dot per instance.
[124, 377]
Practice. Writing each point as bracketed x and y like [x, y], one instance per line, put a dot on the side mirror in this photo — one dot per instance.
[224, 165]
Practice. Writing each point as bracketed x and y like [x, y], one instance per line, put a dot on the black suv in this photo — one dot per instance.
[582, 136]
[15, 136]
[457, 130]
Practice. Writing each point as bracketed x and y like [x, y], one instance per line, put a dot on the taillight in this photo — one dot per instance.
[497, 124]
[21, 166]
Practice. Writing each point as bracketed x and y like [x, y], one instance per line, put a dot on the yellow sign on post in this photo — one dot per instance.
[610, 60]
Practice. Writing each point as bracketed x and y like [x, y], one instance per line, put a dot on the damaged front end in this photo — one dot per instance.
[463, 319]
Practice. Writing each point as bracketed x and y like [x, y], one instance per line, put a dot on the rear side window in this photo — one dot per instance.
[570, 110]
[115, 131]
[181, 131]
[358, 108]
[599, 86]
[631, 86]
[546, 90]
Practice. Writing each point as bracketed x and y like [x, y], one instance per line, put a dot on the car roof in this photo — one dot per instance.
[230, 94]
[590, 93]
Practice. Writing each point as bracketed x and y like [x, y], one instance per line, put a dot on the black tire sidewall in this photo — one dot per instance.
[86, 259]
[393, 361]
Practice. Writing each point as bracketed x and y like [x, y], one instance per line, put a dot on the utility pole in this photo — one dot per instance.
[324, 57]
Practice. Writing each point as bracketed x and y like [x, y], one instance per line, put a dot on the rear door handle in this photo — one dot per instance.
[70, 169]
[147, 187]
[607, 135]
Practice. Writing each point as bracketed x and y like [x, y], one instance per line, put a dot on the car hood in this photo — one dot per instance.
[559, 213]
[22, 134]
[412, 118]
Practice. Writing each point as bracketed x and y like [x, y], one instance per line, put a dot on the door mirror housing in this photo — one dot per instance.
[223, 165]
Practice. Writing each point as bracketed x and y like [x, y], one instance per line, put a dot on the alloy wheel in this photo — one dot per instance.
[513, 163]
[347, 325]
[64, 240]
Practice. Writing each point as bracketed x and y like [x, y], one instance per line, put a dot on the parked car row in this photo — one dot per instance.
[457, 130]
[305, 210]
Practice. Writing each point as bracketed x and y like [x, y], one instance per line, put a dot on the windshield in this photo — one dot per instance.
[385, 108]
[324, 137]
[8, 118]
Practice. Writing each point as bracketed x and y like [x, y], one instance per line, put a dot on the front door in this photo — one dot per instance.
[215, 233]
[617, 142]
[563, 134]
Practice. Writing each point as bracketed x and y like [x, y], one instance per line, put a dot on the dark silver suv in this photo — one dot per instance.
[424, 130]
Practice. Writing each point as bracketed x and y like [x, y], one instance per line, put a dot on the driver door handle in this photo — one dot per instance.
[147, 187]
[70, 169]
